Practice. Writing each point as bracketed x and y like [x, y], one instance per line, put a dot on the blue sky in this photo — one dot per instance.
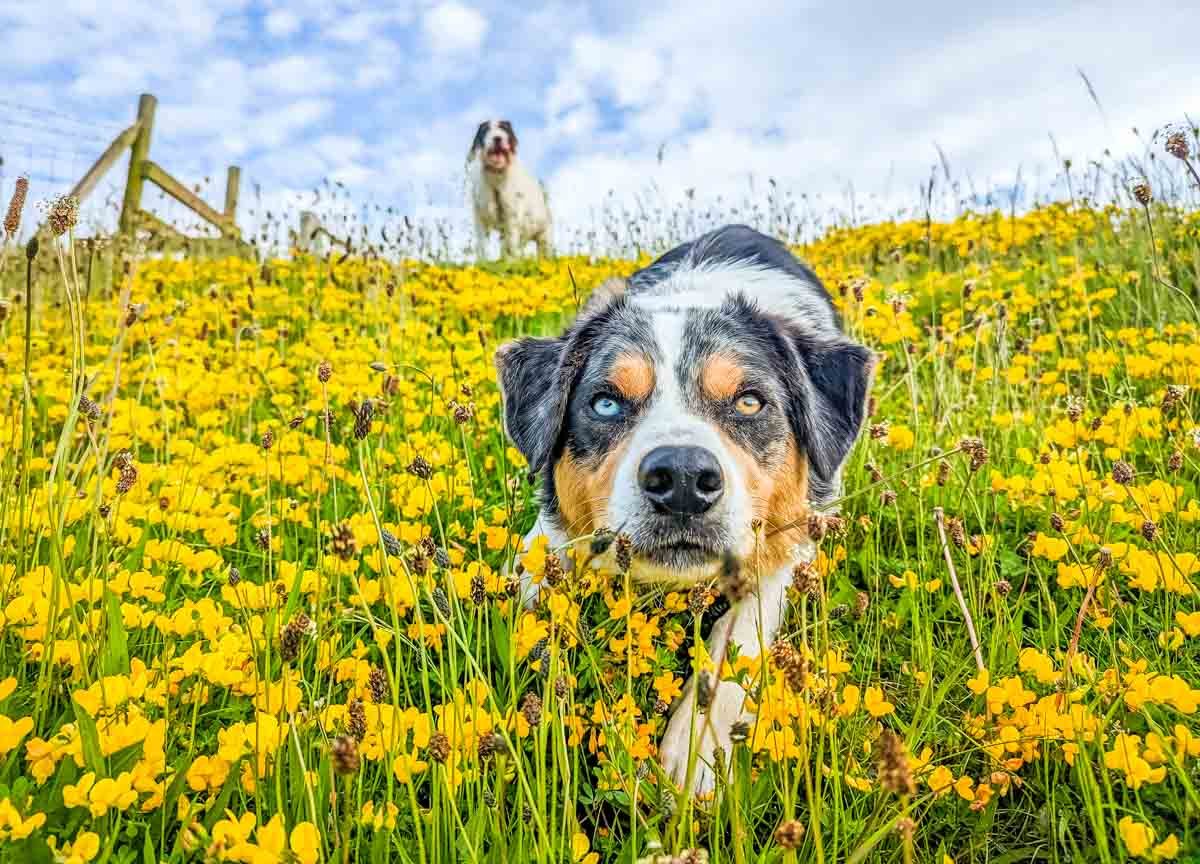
[617, 105]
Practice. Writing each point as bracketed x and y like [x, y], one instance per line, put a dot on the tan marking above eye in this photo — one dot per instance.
[721, 378]
[748, 404]
[632, 376]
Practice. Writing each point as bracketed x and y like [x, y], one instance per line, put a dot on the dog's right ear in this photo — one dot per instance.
[534, 388]
[477, 141]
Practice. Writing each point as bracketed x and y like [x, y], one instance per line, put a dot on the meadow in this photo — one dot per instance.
[254, 517]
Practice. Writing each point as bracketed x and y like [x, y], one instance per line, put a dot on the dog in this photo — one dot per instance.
[704, 408]
[504, 196]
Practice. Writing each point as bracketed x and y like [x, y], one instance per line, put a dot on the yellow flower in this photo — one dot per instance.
[579, 850]
[1050, 548]
[668, 686]
[901, 438]
[1189, 621]
[850, 700]
[876, 704]
[940, 780]
[979, 683]
[7, 686]
[12, 731]
[1138, 837]
[305, 843]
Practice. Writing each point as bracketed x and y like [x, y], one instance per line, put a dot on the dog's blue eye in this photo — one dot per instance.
[606, 407]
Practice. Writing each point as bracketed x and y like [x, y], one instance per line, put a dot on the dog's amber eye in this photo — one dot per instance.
[748, 404]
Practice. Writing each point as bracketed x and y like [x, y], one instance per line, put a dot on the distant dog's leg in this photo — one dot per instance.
[545, 248]
[481, 238]
[508, 242]
[754, 621]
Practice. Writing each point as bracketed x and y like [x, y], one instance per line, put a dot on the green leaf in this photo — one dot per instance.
[116, 653]
[89, 739]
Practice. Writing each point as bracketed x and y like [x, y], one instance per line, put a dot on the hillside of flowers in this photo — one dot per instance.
[255, 517]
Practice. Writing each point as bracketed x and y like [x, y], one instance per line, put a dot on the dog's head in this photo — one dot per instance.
[495, 143]
[698, 423]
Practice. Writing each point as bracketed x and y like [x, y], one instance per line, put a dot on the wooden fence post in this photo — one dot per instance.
[137, 158]
[232, 181]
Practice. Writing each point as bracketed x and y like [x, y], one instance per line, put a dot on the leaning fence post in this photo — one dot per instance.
[232, 181]
[137, 157]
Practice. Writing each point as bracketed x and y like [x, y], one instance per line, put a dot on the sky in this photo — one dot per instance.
[620, 106]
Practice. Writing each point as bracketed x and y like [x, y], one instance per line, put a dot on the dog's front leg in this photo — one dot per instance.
[508, 241]
[751, 625]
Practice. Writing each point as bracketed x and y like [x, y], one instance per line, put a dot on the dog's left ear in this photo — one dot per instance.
[477, 141]
[828, 404]
[534, 387]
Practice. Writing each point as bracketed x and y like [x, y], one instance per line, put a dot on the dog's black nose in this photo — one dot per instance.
[685, 481]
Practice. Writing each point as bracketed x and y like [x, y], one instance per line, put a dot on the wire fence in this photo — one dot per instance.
[53, 149]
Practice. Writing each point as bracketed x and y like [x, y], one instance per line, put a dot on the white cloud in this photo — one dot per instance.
[297, 74]
[108, 76]
[452, 28]
[282, 23]
[278, 125]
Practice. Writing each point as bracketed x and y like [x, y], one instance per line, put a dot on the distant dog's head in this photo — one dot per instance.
[688, 418]
[495, 144]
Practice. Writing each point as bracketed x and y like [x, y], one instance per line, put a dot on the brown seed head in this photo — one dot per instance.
[64, 214]
[531, 708]
[1142, 194]
[790, 834]
[356, 720]
[12, 219]
[268, 439]
[1122, 472]
[806, 580]
[1149, 531]
[1075, 406]
[362, 419]
[324, 371]
[624, 552]
[862, 602]
[1172, 397]
[439, 747]
[377, 685]
[478, 590]
[1056, 522]
[343, 543]
[943, 473]
[553, 572]
[699, 599]
[344, 755]
[1177, 145]
[420, 468]
[1003, 587]
[1175, 462]
[892, 756]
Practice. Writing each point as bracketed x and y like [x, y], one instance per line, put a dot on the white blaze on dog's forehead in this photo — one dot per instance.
[709, 284]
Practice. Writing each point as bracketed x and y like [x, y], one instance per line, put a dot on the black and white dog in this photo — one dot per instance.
[504, 196]
[697, 407]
